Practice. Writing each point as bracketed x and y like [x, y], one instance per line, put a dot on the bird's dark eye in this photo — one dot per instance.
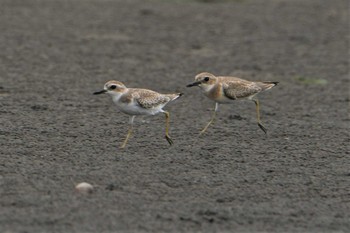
[206, 79]
[113, 87]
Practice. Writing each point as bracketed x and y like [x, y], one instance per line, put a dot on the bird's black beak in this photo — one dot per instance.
[193, 84]
[100, 92]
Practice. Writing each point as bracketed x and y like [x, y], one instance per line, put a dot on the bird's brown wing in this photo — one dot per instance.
[149, 99]
[237, 89]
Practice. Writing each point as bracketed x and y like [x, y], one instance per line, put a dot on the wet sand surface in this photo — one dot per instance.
[55, 134]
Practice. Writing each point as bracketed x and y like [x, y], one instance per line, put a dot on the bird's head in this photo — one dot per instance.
[204, 80]
[113, 88]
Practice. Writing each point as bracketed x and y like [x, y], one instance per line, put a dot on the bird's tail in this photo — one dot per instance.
[267, 85]
[174, 96]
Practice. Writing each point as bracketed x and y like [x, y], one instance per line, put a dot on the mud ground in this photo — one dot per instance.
[54, 133]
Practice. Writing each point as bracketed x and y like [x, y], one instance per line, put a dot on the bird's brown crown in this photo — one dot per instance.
[205, 78]
[114, 86]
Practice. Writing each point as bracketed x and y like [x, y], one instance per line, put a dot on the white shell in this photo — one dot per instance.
[84, 187]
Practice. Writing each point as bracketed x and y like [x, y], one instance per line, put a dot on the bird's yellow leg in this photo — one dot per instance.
[258, 115]
[211, 120]
[131, 124]
[167, 123]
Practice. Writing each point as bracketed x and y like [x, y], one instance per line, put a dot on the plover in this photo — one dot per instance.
[225, 89]
[136, 101]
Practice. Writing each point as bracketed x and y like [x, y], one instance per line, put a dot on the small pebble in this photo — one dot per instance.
[84, 187]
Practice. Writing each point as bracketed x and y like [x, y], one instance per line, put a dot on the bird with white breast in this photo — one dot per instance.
[137, 101]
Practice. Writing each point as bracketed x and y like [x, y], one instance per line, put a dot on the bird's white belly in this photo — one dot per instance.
[135, 109]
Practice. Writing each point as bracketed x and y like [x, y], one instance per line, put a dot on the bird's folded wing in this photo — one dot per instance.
[238, 89]
[150, 99]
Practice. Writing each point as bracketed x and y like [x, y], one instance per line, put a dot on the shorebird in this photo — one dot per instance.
[225, 89]
[136, 101]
